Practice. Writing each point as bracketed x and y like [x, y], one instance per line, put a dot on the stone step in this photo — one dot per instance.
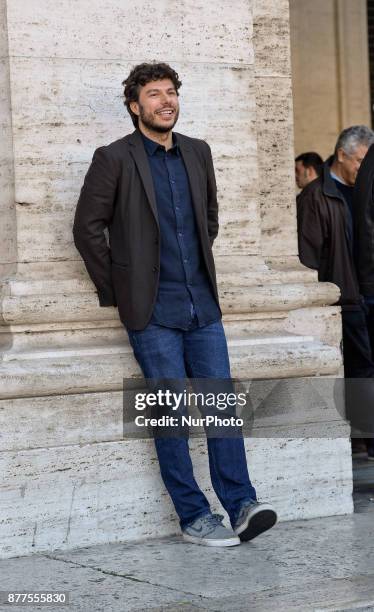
[40, 278]
[51, 371]
[280, 408]
[20, 287]
[50, 305]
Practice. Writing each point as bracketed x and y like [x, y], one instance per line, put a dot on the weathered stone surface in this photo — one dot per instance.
[104, 492]
[326, 323]
[7, 225]
[305, 565]
[35, 422]
[3, 30]
[276, 174]
[43, 372]
[282, 562]
[272, 298]
[61, 131]
[144, 30]
[84, 306]
[271, 41]
[274, 127]
[89, 590]
[66, 336]
[7, 211]
[298, 407]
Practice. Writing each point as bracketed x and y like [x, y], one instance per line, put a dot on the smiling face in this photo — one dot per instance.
[157, 106]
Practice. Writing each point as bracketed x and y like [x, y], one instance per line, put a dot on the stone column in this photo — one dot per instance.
[8, 245]
[70, 478]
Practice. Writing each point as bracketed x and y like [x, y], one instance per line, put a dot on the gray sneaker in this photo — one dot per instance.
[209, 531]
[254, 518]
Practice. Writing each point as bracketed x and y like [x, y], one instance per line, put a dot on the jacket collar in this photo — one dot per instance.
[196, 181]
[135, 139]
[329, 187]
[139, 154]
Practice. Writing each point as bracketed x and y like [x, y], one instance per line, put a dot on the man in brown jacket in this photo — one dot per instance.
[155, 191]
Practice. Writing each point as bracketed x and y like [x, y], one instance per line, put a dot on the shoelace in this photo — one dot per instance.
[247, 504]
[212, 520]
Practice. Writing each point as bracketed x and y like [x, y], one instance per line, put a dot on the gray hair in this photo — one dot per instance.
[353, 137]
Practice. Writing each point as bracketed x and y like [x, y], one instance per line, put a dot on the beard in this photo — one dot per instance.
[150, 123]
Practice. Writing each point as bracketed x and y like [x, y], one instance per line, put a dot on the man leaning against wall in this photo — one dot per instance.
[155, 191]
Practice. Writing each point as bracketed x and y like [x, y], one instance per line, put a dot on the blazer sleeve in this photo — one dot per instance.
[310, 231]
[212, 197]
[93, 214]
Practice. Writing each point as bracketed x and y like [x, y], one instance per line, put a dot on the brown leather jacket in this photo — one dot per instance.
[325, 237]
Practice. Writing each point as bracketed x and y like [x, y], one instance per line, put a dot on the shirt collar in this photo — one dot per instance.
[329, 186]
[151, 146]
[338, 179]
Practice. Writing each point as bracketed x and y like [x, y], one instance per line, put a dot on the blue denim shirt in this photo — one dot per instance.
[185, 299]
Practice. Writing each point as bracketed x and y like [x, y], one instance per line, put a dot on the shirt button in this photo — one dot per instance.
[180, 234]
[185, 260]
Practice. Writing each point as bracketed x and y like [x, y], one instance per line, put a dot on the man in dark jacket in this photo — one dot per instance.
[308, 167]
[326, 213]
[155, 190]
[363, 201]
[363, 204]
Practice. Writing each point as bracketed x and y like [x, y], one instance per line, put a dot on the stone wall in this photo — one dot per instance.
[7, 211]
[66, 101]
[69, 476]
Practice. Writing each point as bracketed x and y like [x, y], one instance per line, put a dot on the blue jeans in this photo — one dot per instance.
[164, 352]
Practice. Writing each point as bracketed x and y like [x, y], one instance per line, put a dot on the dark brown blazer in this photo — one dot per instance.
[118, 194]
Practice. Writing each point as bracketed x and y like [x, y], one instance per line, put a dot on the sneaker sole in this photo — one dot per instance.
[259, 521]
[207, 542]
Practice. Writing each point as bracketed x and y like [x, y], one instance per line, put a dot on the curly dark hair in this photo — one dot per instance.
[142, 74]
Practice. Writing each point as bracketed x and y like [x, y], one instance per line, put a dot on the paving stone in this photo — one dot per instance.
[89, 589]
[320, 565]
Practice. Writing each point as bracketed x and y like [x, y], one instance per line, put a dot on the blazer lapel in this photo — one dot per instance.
[139, 154]
[189, 158]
